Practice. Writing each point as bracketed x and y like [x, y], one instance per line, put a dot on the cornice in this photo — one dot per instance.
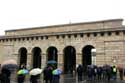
[66, 33]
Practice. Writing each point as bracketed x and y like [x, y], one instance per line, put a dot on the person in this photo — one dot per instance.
[5, 76]
[89, 73]
[95, 72]
[121, 73]
[80, 72]
[21, 77]
[99, 72]
[56, 77]
[108, 72]
[47, 73]
[0, 68]
[34, 78]
[104, 76]
[114, 72]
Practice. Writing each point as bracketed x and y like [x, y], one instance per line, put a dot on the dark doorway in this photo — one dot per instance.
[52, 54]
[69, 59]
[22, 56]
[86, 56]
[36, 57]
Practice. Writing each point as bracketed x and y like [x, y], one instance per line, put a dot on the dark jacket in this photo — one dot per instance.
[21, 78]
[4, 78]
[33, 79]
[47, 74]
[56, 78]
[80, 71]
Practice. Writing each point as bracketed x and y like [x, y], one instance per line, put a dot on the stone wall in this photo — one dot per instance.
[110, 46]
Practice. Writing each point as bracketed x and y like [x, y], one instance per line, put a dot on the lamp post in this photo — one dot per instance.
[93, 51]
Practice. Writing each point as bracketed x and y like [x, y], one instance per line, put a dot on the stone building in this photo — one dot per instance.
[99, 42]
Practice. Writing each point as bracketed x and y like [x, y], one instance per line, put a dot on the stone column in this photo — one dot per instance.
[78, 58]
[29, 60]
[43, 61]
[60, 61]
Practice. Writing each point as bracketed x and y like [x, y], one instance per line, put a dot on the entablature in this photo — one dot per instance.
[42, 36]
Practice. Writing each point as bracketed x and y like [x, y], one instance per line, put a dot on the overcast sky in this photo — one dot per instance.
[16, 14]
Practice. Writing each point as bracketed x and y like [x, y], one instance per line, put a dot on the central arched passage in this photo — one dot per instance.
[87, 56]
[52, 54]
[69, 59]
[22, 56]
[36, 57]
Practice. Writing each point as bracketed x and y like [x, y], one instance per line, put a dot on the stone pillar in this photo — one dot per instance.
[43, 61]
[29, 61]
[78, 58]
[60, 61]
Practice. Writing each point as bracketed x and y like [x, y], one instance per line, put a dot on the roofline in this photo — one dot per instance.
[62, 25]
[68, 32]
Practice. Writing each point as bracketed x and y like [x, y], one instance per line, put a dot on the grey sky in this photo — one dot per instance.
[16, 14]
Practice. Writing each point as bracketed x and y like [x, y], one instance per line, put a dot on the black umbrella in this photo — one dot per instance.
[51, 62]
[10, 67]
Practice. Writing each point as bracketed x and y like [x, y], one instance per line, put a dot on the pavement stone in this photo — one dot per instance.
[73, 79]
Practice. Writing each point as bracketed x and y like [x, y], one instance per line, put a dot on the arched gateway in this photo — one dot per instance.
[87, 56]
[22, 56]
[69, 59]
[36, 57]
[68, 44]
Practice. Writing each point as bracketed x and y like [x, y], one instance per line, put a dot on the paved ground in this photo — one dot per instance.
[70, 79]
[73, 79]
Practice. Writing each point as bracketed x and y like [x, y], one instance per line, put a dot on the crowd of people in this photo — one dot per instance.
[49, 75]
[105, 72]
[92, 72]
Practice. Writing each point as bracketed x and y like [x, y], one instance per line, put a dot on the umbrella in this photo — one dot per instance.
[35, 71]
[106, 66]
[119, 66]
[91, 66]
[11, 67]
[9, 64]
[56, 72]
[22, 71]
[10, 61]
[51, 62]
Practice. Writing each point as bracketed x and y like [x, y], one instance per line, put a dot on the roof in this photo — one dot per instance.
[63, 33]
[62, 25]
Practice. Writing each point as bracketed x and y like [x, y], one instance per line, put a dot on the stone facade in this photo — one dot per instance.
[107, 37]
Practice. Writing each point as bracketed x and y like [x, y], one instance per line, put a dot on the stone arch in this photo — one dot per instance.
[69, 59]
[36, 57]
[87, 56]
[22, 56]
[52, 54]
